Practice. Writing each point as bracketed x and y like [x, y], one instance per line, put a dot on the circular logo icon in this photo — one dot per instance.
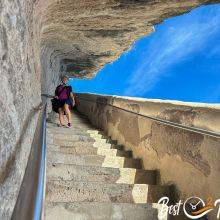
[194, 207]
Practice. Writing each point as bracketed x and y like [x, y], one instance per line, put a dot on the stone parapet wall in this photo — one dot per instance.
[184, 158]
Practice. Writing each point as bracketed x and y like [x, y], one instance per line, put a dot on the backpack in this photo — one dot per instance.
[56, 102]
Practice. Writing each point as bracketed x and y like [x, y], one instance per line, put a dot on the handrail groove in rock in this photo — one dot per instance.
[162, 121]
[30, 199]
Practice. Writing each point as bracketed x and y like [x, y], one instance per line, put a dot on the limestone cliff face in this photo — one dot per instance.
[19, 96]
[39, 40]
[85, 35]
[80, 37]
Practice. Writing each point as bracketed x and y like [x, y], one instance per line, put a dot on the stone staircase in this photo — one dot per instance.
[89, 177]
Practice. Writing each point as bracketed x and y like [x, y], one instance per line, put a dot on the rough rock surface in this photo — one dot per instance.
[39, 39]
[19, 98]
[85, 35]
[189, 160]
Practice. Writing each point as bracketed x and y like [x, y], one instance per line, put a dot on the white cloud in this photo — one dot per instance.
[174, 44]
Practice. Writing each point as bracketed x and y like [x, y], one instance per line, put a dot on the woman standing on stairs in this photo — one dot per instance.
[65, 96]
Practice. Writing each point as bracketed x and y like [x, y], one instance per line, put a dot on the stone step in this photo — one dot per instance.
[70, 191]
[75, 124]
[93, 160]
[69, 132]
[95, 144]
[70, 137]
[83, 144]
[83, 126]
[100, 211]
[75, 121]
[90, 150]
[93, 131]
[75, 127]
[74, 134]
[74, 138]
[100, 174]
[70, 142]
[89, 176]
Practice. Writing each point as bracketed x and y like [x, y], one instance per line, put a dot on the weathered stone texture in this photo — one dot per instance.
[19, 96]
[72, 192]
[85, 35]
[187, 159]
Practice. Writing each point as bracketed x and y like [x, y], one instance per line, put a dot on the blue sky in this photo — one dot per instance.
[179, 61]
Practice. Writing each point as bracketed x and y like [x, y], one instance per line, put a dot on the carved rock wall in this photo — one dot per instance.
[19, 98]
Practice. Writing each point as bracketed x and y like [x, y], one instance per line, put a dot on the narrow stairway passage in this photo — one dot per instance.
[89, 177]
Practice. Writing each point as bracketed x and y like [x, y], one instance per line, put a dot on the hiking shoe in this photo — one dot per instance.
[69, 125]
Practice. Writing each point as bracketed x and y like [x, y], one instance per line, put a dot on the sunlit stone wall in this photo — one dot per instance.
[189, 160]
